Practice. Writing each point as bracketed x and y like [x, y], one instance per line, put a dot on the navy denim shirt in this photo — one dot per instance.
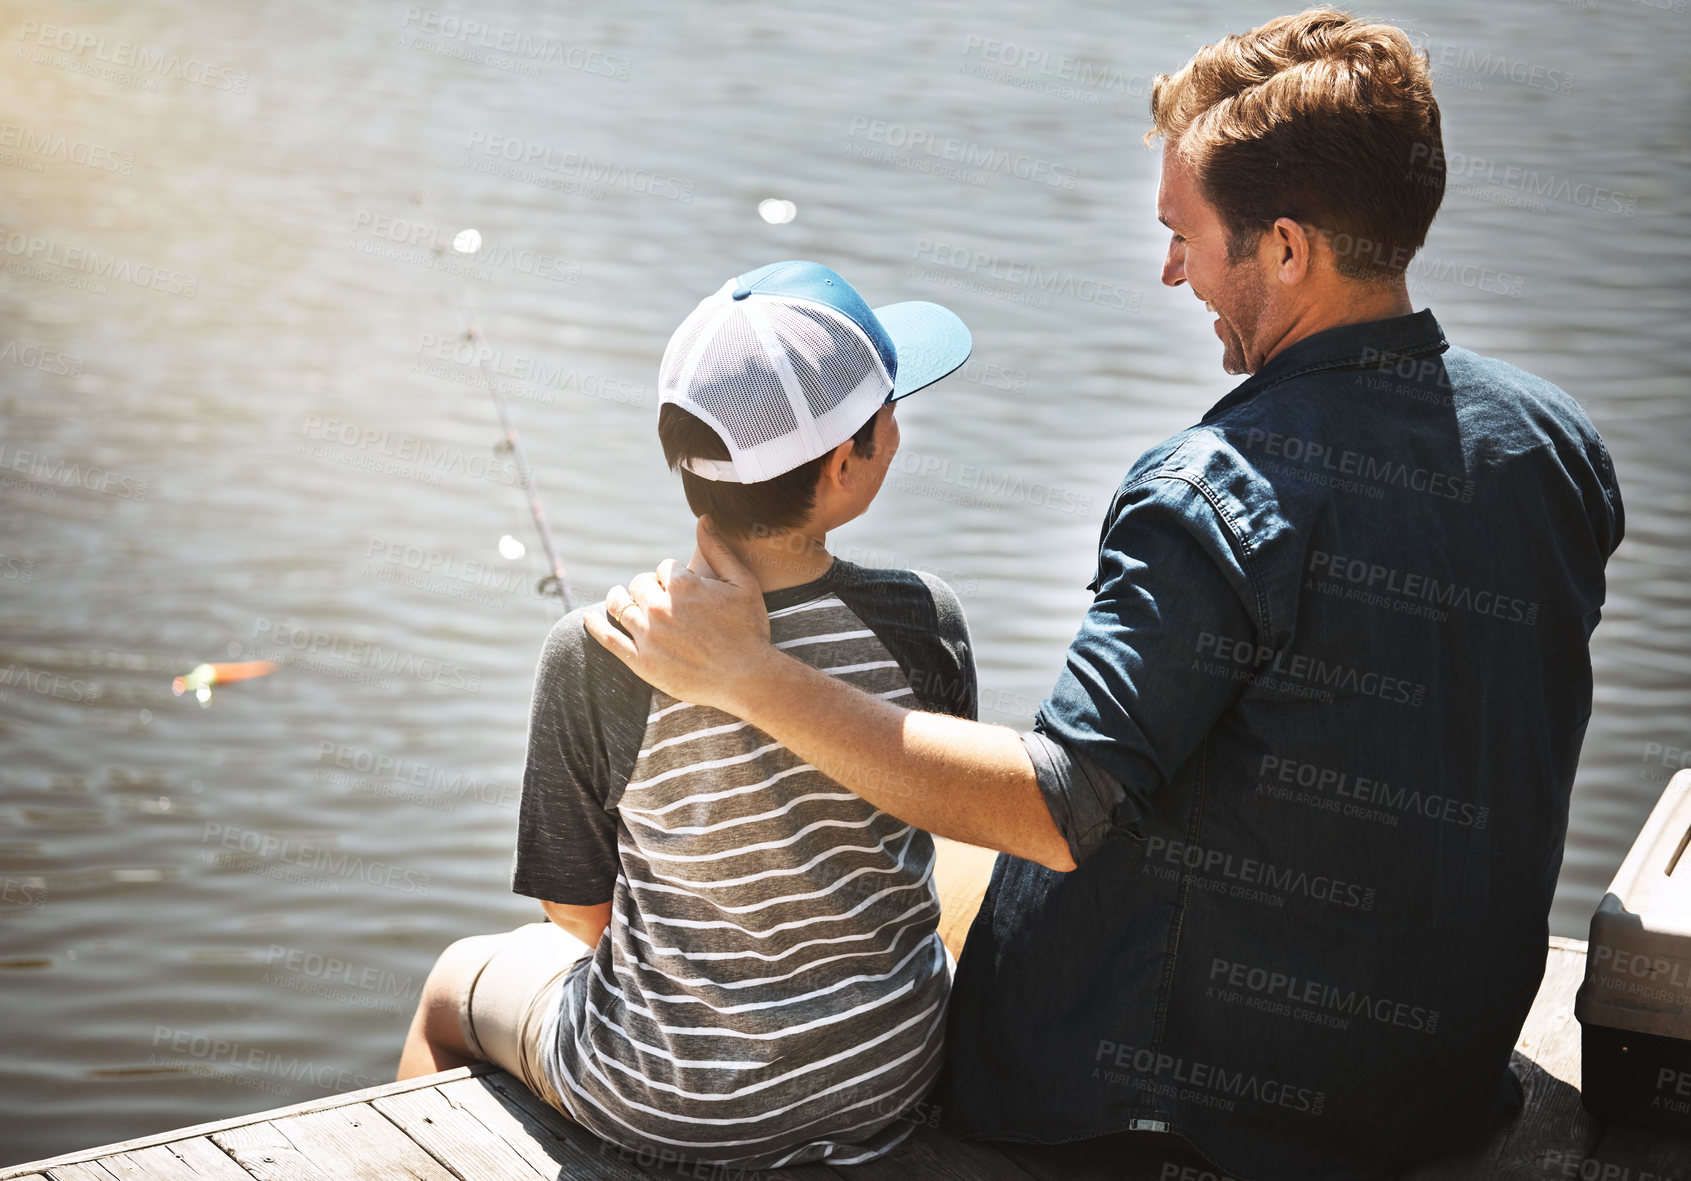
[1312, 749]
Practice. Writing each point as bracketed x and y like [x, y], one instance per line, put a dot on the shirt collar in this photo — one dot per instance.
[792, 596]
[1348, 346]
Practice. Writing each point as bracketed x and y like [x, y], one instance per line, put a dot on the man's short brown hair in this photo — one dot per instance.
[1321, 117]
[743, 510]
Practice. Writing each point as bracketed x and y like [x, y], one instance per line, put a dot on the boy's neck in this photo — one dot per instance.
[778, 561]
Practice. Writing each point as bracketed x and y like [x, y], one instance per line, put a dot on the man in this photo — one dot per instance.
[742, 964]
[1283, 840]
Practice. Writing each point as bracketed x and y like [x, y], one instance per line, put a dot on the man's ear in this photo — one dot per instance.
[1292, 246]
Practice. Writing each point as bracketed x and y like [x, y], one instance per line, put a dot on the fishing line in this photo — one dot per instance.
[468, 242]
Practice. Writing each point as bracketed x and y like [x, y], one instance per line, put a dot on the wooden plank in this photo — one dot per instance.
[267, 1154]
[479, 1123]
[80, 1171]
[1550, 1036]
[456, 1137]
[534, 1137]
[599, 1157]
[18, 1171]
[358, 1143]
[208, 1160]
[194, 1159]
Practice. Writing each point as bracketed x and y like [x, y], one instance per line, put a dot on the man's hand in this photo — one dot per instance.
[706, 640]
[697, 636]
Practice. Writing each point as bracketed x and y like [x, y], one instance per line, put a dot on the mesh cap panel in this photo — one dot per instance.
[828, 358]
[781, 380]
[735, 382]
[681, 346]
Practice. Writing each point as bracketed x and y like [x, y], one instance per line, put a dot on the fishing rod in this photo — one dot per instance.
[468, 242]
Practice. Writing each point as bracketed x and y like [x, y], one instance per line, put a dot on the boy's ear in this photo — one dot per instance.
[836, 469]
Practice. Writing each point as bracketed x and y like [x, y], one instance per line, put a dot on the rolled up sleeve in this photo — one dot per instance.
[1135, 699]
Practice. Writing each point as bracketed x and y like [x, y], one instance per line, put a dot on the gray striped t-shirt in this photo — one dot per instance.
[771, 989]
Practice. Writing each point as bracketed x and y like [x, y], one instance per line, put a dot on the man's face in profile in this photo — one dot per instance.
[1197, 255]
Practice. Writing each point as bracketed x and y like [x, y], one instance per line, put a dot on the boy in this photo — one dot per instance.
[742, 964]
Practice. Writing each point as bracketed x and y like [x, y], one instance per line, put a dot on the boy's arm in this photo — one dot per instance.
[955, 778]
[585, 727]
[586, 923]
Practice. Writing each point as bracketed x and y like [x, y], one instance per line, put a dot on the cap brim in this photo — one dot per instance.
[929, 341]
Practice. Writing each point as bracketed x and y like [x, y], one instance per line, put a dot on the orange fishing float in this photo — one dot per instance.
[205, 676]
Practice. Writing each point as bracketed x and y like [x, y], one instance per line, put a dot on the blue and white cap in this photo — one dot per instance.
[787, 362]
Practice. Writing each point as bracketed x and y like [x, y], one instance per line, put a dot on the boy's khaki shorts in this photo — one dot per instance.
[508, 1003]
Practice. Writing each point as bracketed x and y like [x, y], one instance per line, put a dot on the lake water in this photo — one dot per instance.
[234, 425]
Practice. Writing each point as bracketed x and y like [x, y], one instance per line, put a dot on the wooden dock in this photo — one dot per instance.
[480, 1124]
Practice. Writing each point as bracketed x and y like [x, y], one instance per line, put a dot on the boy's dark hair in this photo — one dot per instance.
[743, 510]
